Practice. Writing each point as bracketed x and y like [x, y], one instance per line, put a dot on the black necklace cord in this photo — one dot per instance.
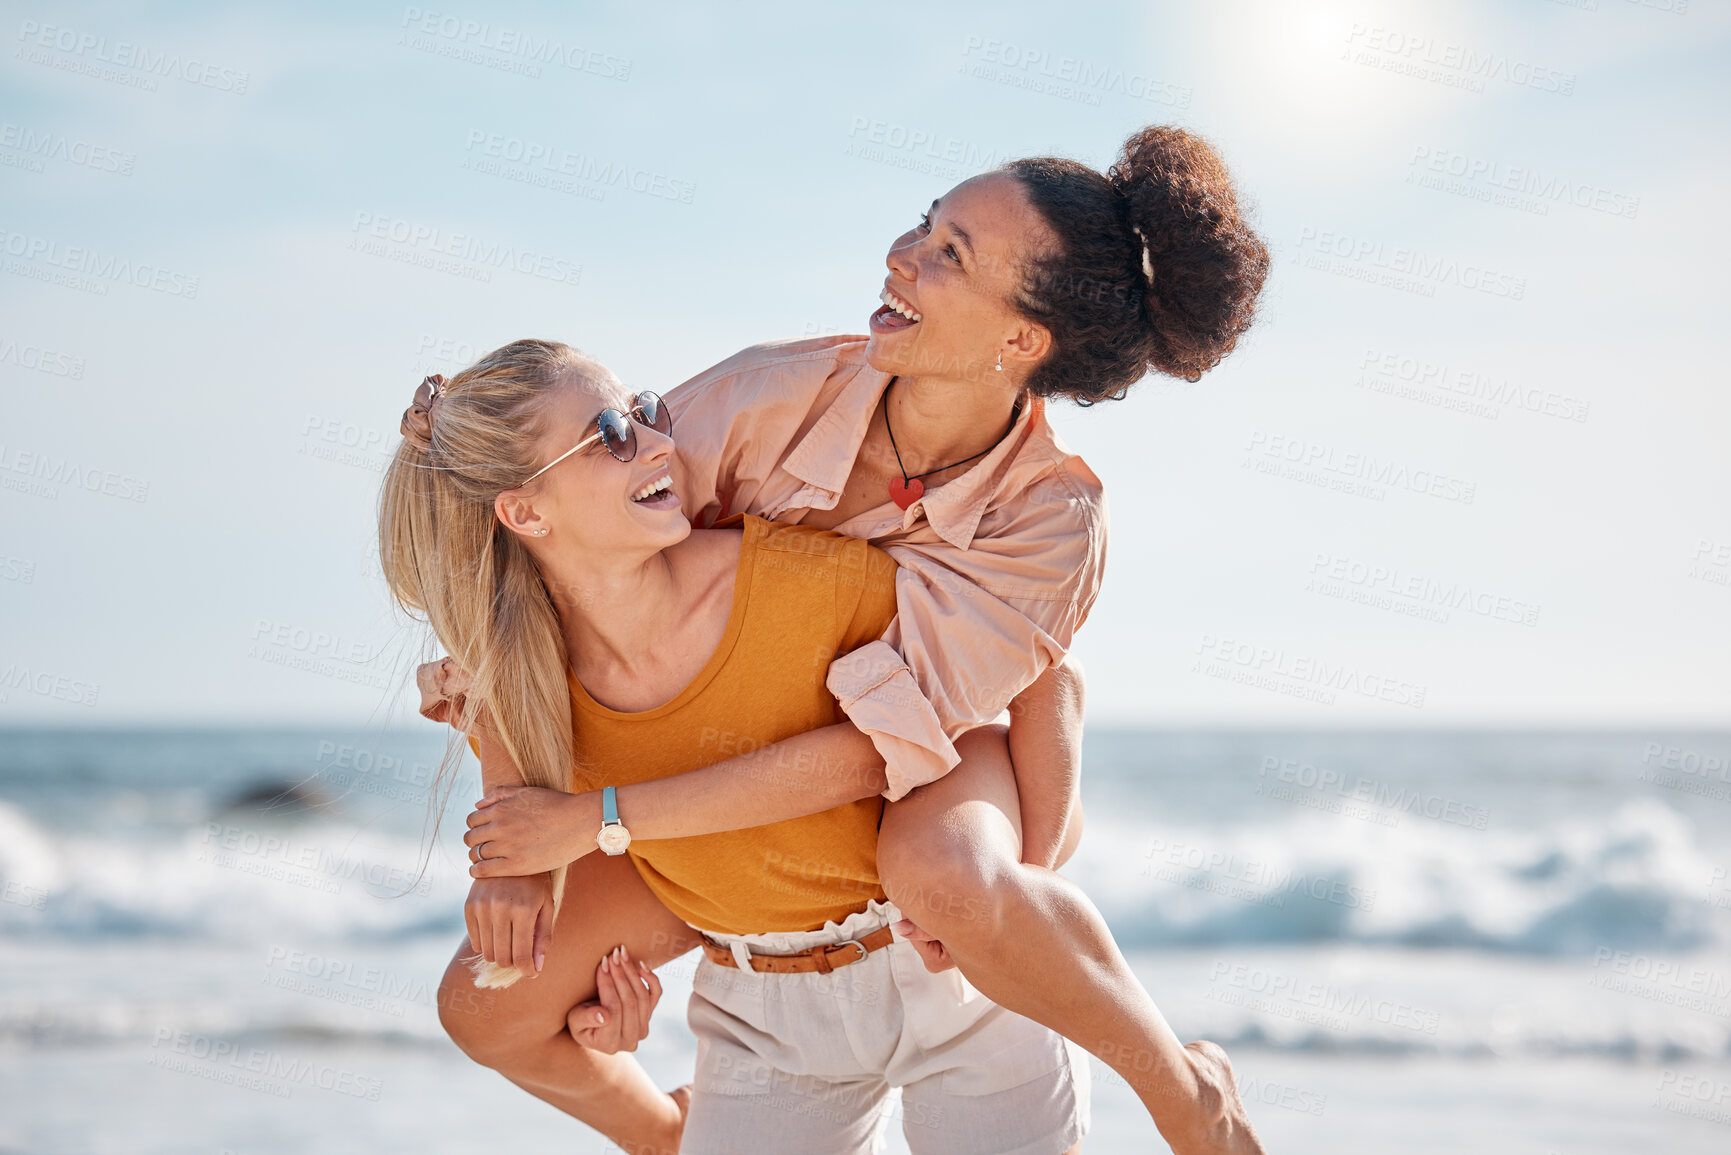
[1014, 414]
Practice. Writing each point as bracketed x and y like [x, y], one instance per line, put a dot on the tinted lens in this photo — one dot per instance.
[617, 434]
[655, 412]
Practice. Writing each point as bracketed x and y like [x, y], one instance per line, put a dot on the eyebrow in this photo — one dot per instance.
[960, 232]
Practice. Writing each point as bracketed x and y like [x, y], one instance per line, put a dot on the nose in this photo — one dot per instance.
[901, 257]
[653, 445]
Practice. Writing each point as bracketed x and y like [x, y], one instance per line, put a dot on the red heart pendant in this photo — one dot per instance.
[904, 492]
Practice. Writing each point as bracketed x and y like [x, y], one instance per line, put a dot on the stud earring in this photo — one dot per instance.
[1000, 360]
[540, 533]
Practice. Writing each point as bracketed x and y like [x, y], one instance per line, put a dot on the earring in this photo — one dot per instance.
[1000, 360]
[540, 533]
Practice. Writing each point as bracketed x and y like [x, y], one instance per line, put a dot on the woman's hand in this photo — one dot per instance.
[619, 1019]
[527, 830]
[511, 920]
[933, 952]
[444, 687]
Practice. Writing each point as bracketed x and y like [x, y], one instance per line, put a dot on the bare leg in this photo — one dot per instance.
[1032, 942]
[520, 1031]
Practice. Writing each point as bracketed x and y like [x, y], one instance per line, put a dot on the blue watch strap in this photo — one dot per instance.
[609, 807]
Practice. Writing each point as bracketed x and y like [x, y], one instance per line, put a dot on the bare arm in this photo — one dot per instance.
[1046, 749]
[525, 829]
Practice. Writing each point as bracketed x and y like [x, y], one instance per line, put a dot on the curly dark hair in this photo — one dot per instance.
[1110, 324]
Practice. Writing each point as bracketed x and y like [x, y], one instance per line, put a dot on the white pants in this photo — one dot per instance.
[804, 1062]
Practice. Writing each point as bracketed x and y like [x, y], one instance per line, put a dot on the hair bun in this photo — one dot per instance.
[1203, 263]
[417, 426]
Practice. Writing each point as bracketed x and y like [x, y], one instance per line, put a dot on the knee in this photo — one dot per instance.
[952, 889]
[471, 1018]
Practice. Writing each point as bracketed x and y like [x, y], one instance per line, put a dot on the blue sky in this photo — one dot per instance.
[1470, 469]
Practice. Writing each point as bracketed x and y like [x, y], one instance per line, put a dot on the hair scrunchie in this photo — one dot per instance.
[418, 418]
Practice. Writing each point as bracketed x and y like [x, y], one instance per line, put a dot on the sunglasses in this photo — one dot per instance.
[616, 431]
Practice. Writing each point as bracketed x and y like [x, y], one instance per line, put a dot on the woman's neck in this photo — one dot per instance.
[636, 633]
[937, 421]
[616, 612]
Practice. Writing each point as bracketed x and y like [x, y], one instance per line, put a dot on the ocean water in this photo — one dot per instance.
[1419, 942]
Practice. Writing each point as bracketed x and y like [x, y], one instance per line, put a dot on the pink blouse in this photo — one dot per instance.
[998, 568]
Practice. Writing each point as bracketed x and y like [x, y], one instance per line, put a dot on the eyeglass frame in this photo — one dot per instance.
[631, 415]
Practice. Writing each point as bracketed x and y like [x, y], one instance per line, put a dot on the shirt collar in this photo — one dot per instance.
[825, 455]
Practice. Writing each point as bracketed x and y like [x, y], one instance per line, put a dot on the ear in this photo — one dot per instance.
[516, 514]
[1029, 344]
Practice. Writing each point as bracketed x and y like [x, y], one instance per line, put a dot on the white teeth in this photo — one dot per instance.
[654, 487]
[898, 305]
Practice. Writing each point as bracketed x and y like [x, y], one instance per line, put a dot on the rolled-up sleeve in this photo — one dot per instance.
[974, 628]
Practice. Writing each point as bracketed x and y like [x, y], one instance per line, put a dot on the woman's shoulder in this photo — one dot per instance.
[791, 364]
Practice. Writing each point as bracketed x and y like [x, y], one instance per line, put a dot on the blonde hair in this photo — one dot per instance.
[446, 557]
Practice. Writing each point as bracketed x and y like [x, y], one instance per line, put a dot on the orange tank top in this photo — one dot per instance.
[802, 597]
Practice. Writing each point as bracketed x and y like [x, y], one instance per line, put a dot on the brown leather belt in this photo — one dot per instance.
[821, 959]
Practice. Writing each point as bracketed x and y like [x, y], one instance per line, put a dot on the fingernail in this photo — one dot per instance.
[604, 963]
[600, 1018]
[539, 959]
[642, 968]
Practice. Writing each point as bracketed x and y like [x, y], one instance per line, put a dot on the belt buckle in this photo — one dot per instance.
[854, 942]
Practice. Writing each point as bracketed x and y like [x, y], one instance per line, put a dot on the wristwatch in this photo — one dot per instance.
[613, 838]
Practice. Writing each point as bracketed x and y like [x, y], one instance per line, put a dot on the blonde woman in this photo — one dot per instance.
[929, 438]
[528, 515]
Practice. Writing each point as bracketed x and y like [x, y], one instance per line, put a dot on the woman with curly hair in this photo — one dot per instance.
[1042, 279]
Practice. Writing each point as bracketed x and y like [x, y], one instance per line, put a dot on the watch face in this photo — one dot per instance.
[613, 839]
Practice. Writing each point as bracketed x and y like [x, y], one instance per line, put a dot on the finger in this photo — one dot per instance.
[523, 943]
[631, 1026]
[479, 816]
[543, 933]
[584, 1022]
[494, 868]
[653, 982]
[471, 918]
[487, 940]
[604, 990]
